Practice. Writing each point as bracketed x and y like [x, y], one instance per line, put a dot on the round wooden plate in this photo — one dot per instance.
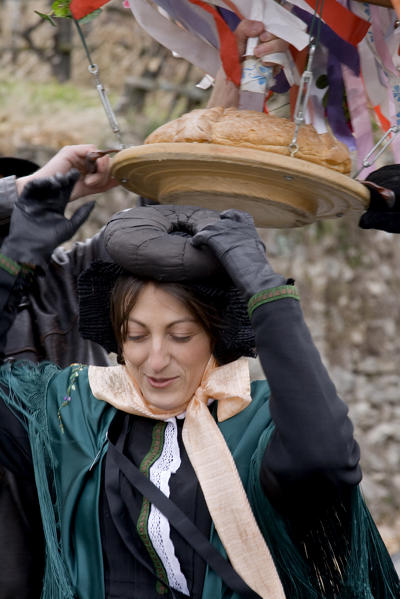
[277, 190]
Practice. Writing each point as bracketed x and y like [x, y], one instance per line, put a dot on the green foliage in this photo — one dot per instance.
[60, 8]
[46, 17]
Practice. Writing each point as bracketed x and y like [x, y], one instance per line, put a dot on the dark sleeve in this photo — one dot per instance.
[15, 451]
[313, 445]
[8, 197]
[324, 541]
[12, 289]
[7, 310]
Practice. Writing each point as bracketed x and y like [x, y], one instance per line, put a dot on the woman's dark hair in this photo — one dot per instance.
[218, 306]
[124, 296]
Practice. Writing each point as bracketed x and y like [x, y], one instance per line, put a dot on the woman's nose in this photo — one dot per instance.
[158, 357]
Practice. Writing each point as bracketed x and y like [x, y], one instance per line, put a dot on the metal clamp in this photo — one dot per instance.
[302, 98]
[377, 150]
[94, 70]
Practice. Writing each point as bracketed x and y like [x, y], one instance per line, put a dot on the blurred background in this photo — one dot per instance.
[349, 279]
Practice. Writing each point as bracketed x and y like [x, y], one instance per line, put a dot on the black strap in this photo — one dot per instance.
[112, 473]
[182, 524]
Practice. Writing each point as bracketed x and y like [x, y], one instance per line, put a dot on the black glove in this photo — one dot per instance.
[383, 211]
[38, 224]
[235, 242]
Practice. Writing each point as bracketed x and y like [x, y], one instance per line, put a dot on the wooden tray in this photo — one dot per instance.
[279, 191]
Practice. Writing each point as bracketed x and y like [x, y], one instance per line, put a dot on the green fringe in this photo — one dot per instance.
[343, 557]
[23, 387]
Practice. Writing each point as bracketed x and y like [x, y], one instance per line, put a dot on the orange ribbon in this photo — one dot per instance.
[346, 24]
[228, 50]
[396, 6]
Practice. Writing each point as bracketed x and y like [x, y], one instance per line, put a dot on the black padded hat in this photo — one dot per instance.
[153, 243]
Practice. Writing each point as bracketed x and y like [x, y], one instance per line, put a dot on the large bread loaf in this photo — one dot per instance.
[256, 130]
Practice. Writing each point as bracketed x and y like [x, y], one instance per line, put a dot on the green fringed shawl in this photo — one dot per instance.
[67, 426]
[23, 387]
[349, 559]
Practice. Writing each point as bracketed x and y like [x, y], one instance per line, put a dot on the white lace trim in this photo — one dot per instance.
[158, 525]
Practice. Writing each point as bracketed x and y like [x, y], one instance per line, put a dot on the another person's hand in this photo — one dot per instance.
[70, 157]
[235, 242]
[225, 92]
[38, 224]
[267, 42]
[380, 214]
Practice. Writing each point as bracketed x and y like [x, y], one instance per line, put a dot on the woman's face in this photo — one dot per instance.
[166, 349]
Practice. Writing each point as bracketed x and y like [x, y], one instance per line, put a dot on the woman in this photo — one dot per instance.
[277, 494]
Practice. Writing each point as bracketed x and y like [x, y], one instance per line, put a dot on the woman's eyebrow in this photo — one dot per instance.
[171, 324]
[182, 320]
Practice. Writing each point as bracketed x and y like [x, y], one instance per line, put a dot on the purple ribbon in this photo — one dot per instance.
[229, 17]
[281, 83]
[335, 112]
[344, 52]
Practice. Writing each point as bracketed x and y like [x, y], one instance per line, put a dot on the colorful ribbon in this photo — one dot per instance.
[342, 21]
[228, 46]
[82, 8]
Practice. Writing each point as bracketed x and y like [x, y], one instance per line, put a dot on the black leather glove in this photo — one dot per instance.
[38, 224]
[383, 211]
[236, 243]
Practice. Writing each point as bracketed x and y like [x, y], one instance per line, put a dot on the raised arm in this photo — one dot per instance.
[313, 436]
[37, 227]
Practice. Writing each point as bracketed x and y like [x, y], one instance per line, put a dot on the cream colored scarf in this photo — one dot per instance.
[211, 459]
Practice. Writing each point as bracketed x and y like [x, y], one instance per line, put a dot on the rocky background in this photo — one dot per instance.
[349, 279]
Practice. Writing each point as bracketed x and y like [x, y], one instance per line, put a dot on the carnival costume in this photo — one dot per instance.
[270, 479]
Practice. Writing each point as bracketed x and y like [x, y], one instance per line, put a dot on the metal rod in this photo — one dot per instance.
[94, 70]
[306, 78]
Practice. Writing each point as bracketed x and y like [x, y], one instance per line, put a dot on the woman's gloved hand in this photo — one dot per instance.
[382, 214]
[38, 224]
[234, 240]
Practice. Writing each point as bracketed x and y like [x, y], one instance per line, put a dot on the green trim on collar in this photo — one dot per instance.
[270, 295]
[153, 454]
[7, 264]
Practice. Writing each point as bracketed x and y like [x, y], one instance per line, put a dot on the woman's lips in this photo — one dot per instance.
[160, 383]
